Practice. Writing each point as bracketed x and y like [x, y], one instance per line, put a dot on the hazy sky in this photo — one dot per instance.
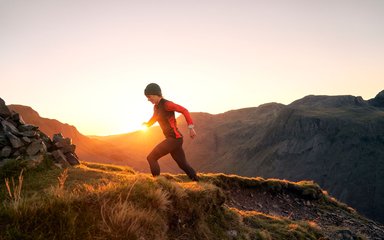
[86, 63]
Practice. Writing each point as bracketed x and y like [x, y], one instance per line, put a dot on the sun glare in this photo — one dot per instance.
[144, 128]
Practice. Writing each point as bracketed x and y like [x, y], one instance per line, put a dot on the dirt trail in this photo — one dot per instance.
[336, 224]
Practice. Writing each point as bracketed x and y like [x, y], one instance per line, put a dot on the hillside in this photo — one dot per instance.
[95, 201]
[337, 141]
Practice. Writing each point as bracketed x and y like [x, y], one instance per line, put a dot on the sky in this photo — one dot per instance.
[87, 62]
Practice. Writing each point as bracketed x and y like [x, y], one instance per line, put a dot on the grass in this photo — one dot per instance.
[97, 201]
[269, 227]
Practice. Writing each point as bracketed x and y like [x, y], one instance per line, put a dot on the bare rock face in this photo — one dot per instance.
[21, 140]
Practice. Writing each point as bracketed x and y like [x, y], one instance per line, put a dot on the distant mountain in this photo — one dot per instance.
[88, 149]
[336, 141]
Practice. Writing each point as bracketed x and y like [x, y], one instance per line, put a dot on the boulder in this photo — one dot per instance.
[15, 141]
[26, 140]
[47, 141]
[72, 159]
[60, 158]
[3, 139]
[17, 118]
[29, 134]
[68, 148]
[4, 111]
[9, 127]
[57, 137]
[36, 147]
[6, 152]
[17, 153]
[27, 127]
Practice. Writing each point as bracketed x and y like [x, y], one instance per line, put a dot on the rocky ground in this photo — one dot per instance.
[348, 225]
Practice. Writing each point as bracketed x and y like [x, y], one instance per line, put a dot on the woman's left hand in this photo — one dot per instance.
[192, 133]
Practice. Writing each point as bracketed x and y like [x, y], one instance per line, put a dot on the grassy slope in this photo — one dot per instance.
[95, 201]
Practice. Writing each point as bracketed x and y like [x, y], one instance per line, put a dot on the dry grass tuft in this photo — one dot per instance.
[59, 190]
[14, 190]
[122, 220]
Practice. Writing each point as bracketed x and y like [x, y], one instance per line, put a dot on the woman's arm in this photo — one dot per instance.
[152, 120]
[171, 106]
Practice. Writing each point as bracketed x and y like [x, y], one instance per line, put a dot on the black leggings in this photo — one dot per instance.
[174, 146]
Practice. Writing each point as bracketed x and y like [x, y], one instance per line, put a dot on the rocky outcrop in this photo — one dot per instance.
[87, 149]
[378, 101]
[64, 150]
[20, 140]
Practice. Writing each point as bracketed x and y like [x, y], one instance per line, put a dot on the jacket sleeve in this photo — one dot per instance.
[170, 106]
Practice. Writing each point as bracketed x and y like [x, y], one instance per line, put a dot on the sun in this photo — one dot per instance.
[144, 127]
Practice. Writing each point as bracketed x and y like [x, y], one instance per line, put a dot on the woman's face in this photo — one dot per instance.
[154, 99]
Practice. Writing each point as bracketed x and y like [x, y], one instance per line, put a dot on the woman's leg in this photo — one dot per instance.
[179, 156]
[162, 149]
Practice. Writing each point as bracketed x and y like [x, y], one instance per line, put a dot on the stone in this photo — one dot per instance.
[15, 141]
[72, 159]
[68, 141]
[3, 139]
[4, 111]
[34, 147]
[68, 149]
[27, 140]
[57, 137]
[62, 141]
[59, 144]
[17, 118]
[16, 154]
[27, 127]
[6, 152]
[60, 157]
[30, 133]
[43, 148]
[47, 141]
[9, 127]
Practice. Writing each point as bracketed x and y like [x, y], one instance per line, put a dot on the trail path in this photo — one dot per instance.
[290, 206]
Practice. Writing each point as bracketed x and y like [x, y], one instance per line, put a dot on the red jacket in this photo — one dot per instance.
[164, 114]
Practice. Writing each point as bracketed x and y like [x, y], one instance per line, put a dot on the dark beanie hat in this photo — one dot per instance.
[153, 89]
